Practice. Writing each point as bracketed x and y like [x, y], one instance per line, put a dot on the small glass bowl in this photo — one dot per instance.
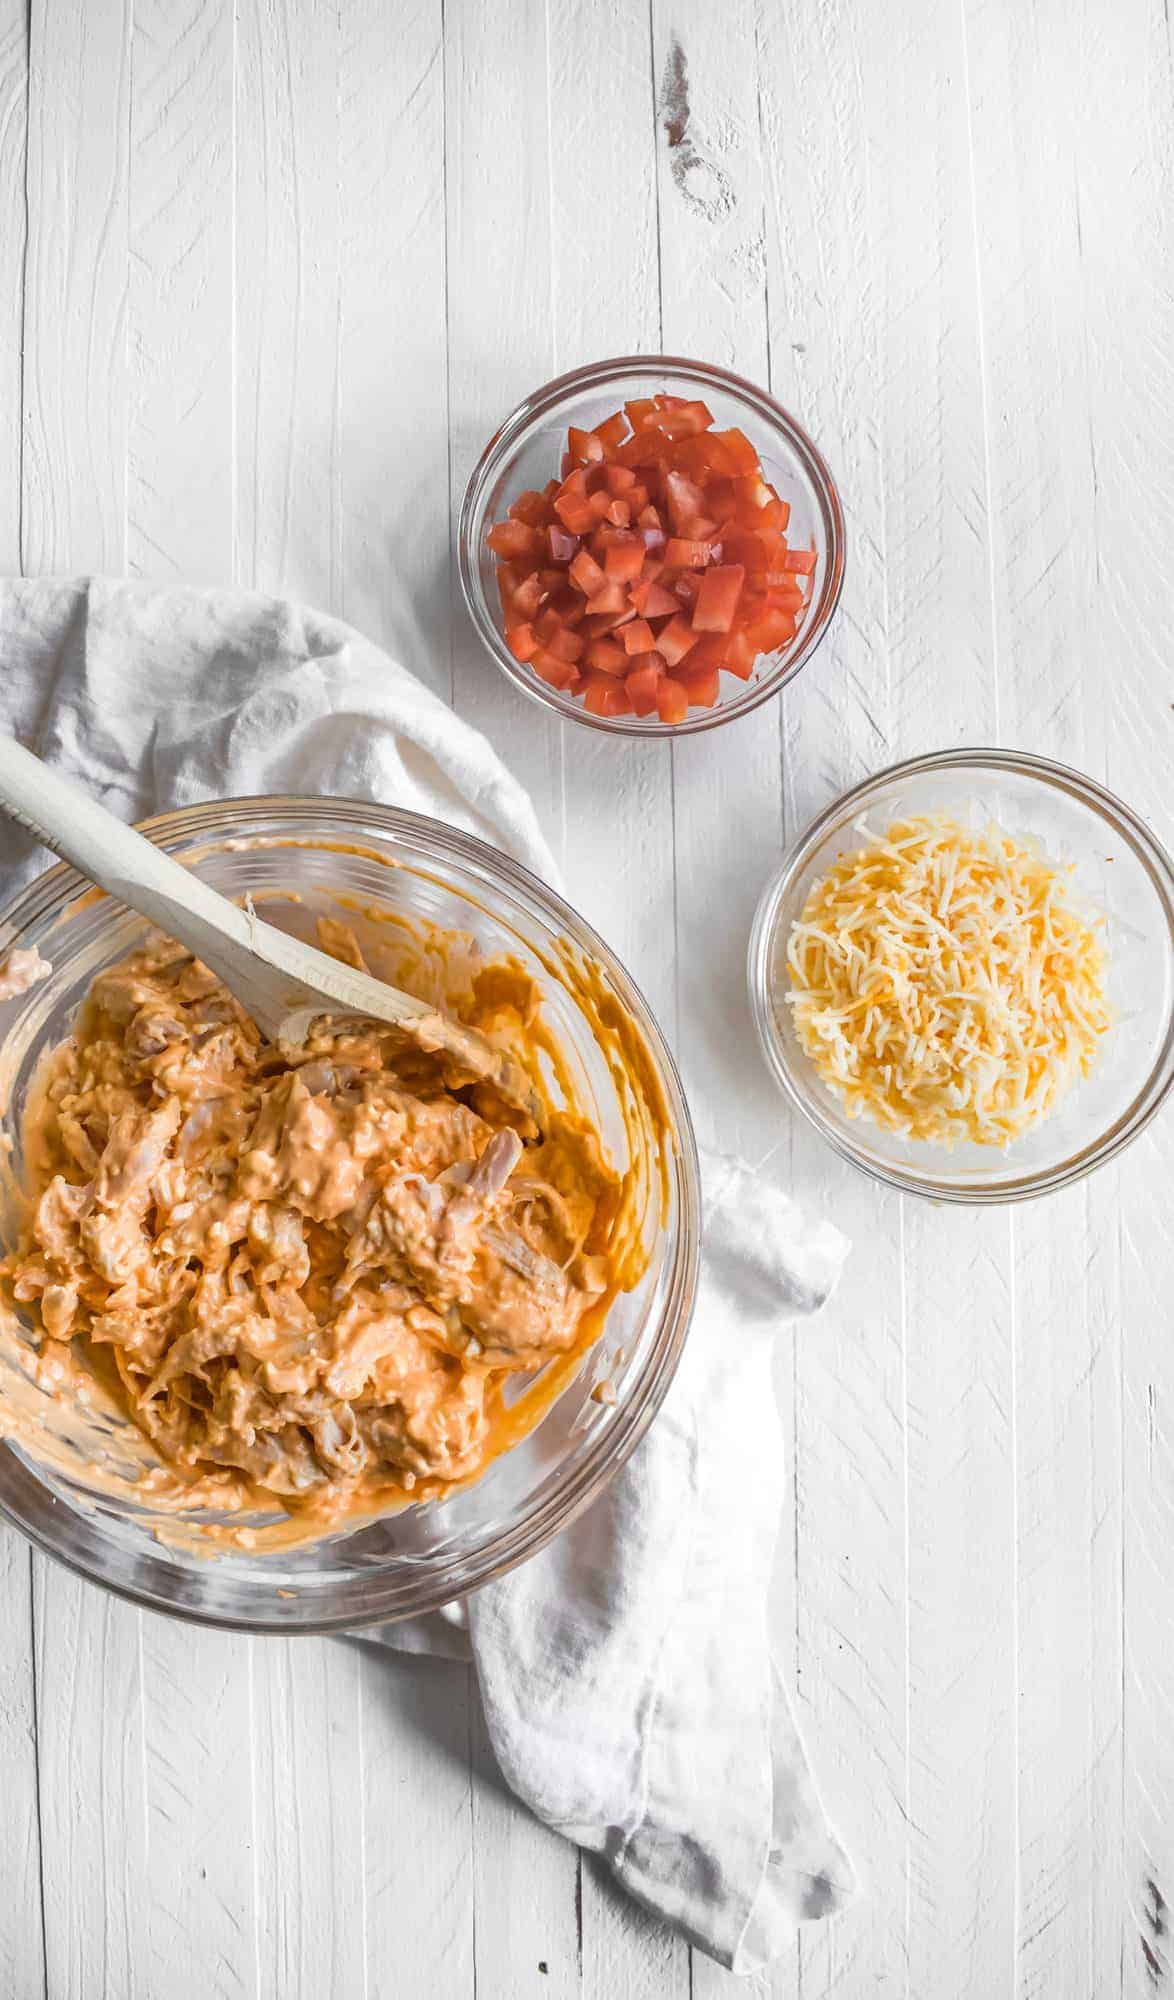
[302, 858]
[1121, 873]
[526, 452]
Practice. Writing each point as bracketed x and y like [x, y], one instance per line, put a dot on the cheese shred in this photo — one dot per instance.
[944, 986]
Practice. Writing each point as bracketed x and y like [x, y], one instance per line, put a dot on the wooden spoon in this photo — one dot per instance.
[282, 983]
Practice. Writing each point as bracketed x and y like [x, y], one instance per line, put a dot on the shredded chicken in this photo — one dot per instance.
[313, 1268]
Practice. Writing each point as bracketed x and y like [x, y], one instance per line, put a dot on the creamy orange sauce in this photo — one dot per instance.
[308, 1277]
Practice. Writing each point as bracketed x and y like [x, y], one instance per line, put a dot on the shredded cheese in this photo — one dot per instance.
[943, 984]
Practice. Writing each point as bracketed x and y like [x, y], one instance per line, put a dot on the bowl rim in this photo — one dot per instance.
[701, 374]
[1157, 865]
[53, 891]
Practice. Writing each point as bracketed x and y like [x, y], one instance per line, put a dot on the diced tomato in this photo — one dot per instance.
[652, 600]
[740, 655]
[612, 597]
[672, 701]
[612, 431]
[567, 645]
[555, 672]
[700, 684]
[575, 514]
[529, 507]
[624, 560]
[685, 501]
[568, 605]
[528, 597]
[607, 621]
[740, 449]
[643, 682]
[681, 553]
[717, 599]
[656, 560]
[586, 573]
[605, 657]
[522, 641]
[509, 539]
[774, 629]
[584, 445]
[604, 696]
[675, 639]
[637, 637]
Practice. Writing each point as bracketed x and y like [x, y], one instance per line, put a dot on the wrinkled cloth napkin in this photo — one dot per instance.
[626, 1670]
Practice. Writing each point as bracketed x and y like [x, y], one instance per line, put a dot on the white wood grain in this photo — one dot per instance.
[22, 1959]
[396, 582]
[92, 1793]
[74, 460]
[180, 491]
[308, 1717]
[22, 1942]
[92, 1798]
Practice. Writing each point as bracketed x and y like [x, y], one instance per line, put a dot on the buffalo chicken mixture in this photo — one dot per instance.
[314, 1270]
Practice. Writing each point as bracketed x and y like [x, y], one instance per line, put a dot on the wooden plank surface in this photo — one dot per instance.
[270, 275]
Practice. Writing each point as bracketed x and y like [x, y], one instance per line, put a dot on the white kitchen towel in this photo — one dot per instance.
[626, 1671]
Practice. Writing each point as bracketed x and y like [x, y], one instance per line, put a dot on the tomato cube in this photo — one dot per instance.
[802, 560]
[620, 479]
[643, 682]
[774, 629]
[717, 599]
[522, 641]
[612, 431]
[700, 684]
[739, 655]
[529, 507]
[605, 657]
[685, 501]
[625, 560]
[583, 446]
[652, 600]
[567, 645]
[672, 702]
[586, 574]
[510, 539]
[639, 412]
[741, 451]
[684, 554]
[605, 696]
[613, 597]
[675, 639]
[637, 637]
[619, 514]
[528, 597]
[556, 673]
[575, 513]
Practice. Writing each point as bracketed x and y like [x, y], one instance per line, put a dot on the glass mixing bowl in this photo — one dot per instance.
[526, 451]
[1121, 873]
[372, 858]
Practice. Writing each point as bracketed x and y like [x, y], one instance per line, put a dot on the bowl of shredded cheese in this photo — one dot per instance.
[964, 975]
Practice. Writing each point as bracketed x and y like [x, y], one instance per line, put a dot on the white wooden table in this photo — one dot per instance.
[269, 273]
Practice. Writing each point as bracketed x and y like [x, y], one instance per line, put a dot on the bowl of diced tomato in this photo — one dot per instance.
[651, 546]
